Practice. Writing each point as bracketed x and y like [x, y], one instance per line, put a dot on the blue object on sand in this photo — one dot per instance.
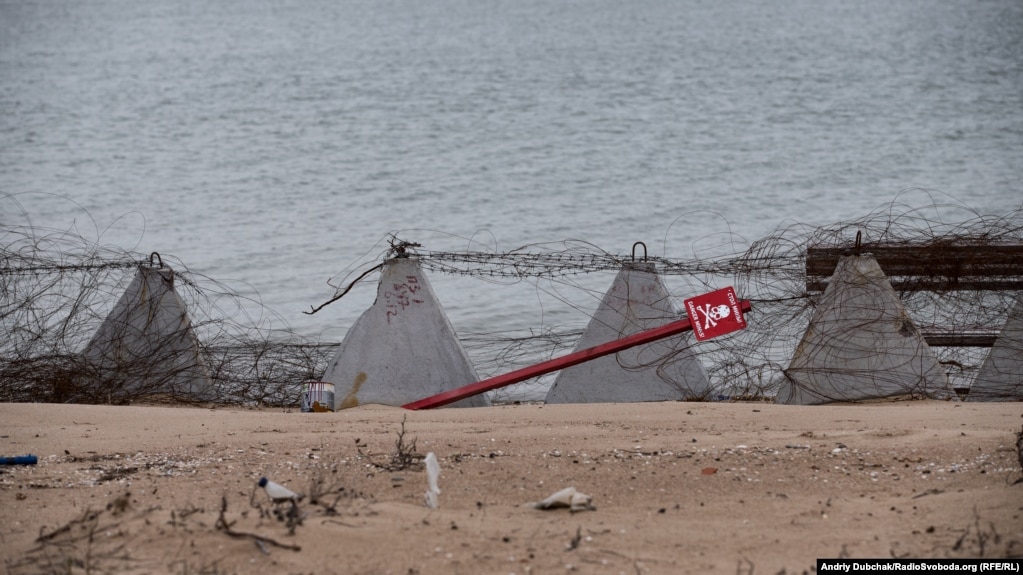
[19, 460]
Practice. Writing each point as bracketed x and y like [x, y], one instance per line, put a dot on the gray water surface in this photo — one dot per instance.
[278, 143]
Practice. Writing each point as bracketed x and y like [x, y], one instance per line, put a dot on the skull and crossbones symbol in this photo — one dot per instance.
[713, 314]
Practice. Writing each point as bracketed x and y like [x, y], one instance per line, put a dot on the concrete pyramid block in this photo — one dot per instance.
[146, 345]
[1001, 375]
[664, 370]
[861, 344]
[403, 348]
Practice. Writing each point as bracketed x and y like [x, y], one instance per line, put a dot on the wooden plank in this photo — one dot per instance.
[933, 267]
[959, 339]
[936, 285]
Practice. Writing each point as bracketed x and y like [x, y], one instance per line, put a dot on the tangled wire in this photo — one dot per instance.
[79, 330]
[61, 293]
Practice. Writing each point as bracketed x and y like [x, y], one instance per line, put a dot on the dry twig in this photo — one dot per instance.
[224, 525]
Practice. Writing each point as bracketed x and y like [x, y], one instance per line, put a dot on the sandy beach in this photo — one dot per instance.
[676, 488]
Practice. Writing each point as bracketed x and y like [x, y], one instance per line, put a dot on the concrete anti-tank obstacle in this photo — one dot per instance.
[146, 345]
[861, 344]
[665, 370]
[1001, 375]
[402, 348]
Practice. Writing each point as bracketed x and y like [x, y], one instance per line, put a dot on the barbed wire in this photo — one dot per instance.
[58, 291]
[59, 288]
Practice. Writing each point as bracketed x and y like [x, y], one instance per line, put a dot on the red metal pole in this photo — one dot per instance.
[574, 358]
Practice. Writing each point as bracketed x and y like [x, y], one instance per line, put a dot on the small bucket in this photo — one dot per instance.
[317, 397]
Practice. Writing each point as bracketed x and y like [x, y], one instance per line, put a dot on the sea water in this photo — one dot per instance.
[276, 145]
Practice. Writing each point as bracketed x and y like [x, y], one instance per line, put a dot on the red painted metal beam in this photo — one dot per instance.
[574, 358]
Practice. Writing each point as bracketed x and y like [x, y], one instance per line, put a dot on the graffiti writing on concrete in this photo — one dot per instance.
[401, 296]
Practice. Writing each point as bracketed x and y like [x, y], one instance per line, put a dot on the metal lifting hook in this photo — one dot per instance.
[857, 248]
[157, 257]
[634, 250]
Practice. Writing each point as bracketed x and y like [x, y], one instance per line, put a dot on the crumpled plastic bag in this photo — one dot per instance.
[567, 497]
[432, 474]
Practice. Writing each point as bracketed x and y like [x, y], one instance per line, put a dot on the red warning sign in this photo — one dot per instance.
[715, 313]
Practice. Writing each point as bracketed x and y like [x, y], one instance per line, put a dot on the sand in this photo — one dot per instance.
[676, 488]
